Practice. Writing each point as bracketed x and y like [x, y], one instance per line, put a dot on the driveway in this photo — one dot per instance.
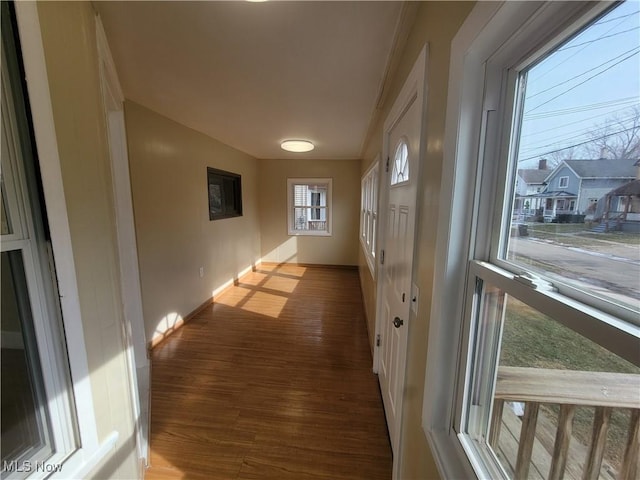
[612, 270]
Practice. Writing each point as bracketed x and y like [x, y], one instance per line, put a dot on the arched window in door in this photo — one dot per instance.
[400, 171]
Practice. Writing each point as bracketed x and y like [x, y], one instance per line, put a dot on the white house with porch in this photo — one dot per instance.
[529, 183]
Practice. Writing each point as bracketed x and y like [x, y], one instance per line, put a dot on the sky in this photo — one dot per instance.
[579, 86]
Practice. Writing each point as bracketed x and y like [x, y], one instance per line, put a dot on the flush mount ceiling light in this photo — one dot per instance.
[297, 146]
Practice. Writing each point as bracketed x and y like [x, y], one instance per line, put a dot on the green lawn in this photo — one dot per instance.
[531, 339]
[555, 228]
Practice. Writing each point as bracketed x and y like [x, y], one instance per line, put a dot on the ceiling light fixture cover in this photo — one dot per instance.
[297, 146]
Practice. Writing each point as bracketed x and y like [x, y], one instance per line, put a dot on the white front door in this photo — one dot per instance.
[403, 147]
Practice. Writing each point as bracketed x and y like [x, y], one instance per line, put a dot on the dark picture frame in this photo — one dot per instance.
[224, 190]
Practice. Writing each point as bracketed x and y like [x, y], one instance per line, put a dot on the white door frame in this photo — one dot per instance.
[415, 87]
[133, 318]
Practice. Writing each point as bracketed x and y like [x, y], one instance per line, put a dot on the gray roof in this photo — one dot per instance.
[631, 188]
[531, 175]
[604, 168]
[554, 194]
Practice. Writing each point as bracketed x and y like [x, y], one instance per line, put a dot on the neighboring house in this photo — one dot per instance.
[576, 186]
[307, 197]
[621, 208]
[529, 184]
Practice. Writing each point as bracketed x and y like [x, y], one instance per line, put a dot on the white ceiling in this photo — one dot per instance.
[254, 74]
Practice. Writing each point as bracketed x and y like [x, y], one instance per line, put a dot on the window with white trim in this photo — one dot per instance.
[309, 206]
[563, 182]
[38, 418]
[69, 442]
[549, 329]
[369, 215]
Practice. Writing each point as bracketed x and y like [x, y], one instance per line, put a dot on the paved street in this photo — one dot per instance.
[611, 270]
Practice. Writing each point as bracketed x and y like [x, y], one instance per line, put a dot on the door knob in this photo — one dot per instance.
[398, 322]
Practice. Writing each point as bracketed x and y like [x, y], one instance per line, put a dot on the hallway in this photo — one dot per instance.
[273, 381]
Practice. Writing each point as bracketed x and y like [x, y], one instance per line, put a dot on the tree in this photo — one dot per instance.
[618, 137]
[555, 158]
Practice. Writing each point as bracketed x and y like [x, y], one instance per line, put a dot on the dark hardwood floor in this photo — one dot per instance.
[273, 381]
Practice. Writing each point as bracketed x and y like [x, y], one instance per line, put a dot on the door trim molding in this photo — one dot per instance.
[132, 327]
[414, 90]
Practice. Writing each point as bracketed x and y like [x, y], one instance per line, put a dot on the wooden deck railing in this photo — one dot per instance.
[569, 389]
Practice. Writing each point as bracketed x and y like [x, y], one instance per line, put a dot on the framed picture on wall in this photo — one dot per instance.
[225, 194]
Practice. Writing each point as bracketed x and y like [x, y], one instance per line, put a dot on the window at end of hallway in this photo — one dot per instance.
[369, 215]
[309, 206]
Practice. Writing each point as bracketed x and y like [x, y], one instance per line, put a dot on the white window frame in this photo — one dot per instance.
[28, 241]
[494, 34]
[369, 214]
[93, 448]
[291, 183]
[563, 182]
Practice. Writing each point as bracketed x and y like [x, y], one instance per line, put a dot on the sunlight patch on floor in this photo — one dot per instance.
[253, 279]
[166, 326]
[265, 304]
[234, 296]
[281, 284]
[162, 469]
[296, 271]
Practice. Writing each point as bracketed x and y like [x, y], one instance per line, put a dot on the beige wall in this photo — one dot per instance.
[68, 34]
[436, 24]
[174, 234]
[341, 248]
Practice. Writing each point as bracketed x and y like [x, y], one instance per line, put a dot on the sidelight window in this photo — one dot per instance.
[369, 215]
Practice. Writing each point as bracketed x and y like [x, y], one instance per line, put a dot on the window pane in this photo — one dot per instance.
[575, 206]
[373, 236]
[25, 424]
[400, 170]
[548, 369]
[310, 219]
[310, 195]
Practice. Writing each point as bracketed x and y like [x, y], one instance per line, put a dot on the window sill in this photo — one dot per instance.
[310, 234]
[449, 455]
[83, 461]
